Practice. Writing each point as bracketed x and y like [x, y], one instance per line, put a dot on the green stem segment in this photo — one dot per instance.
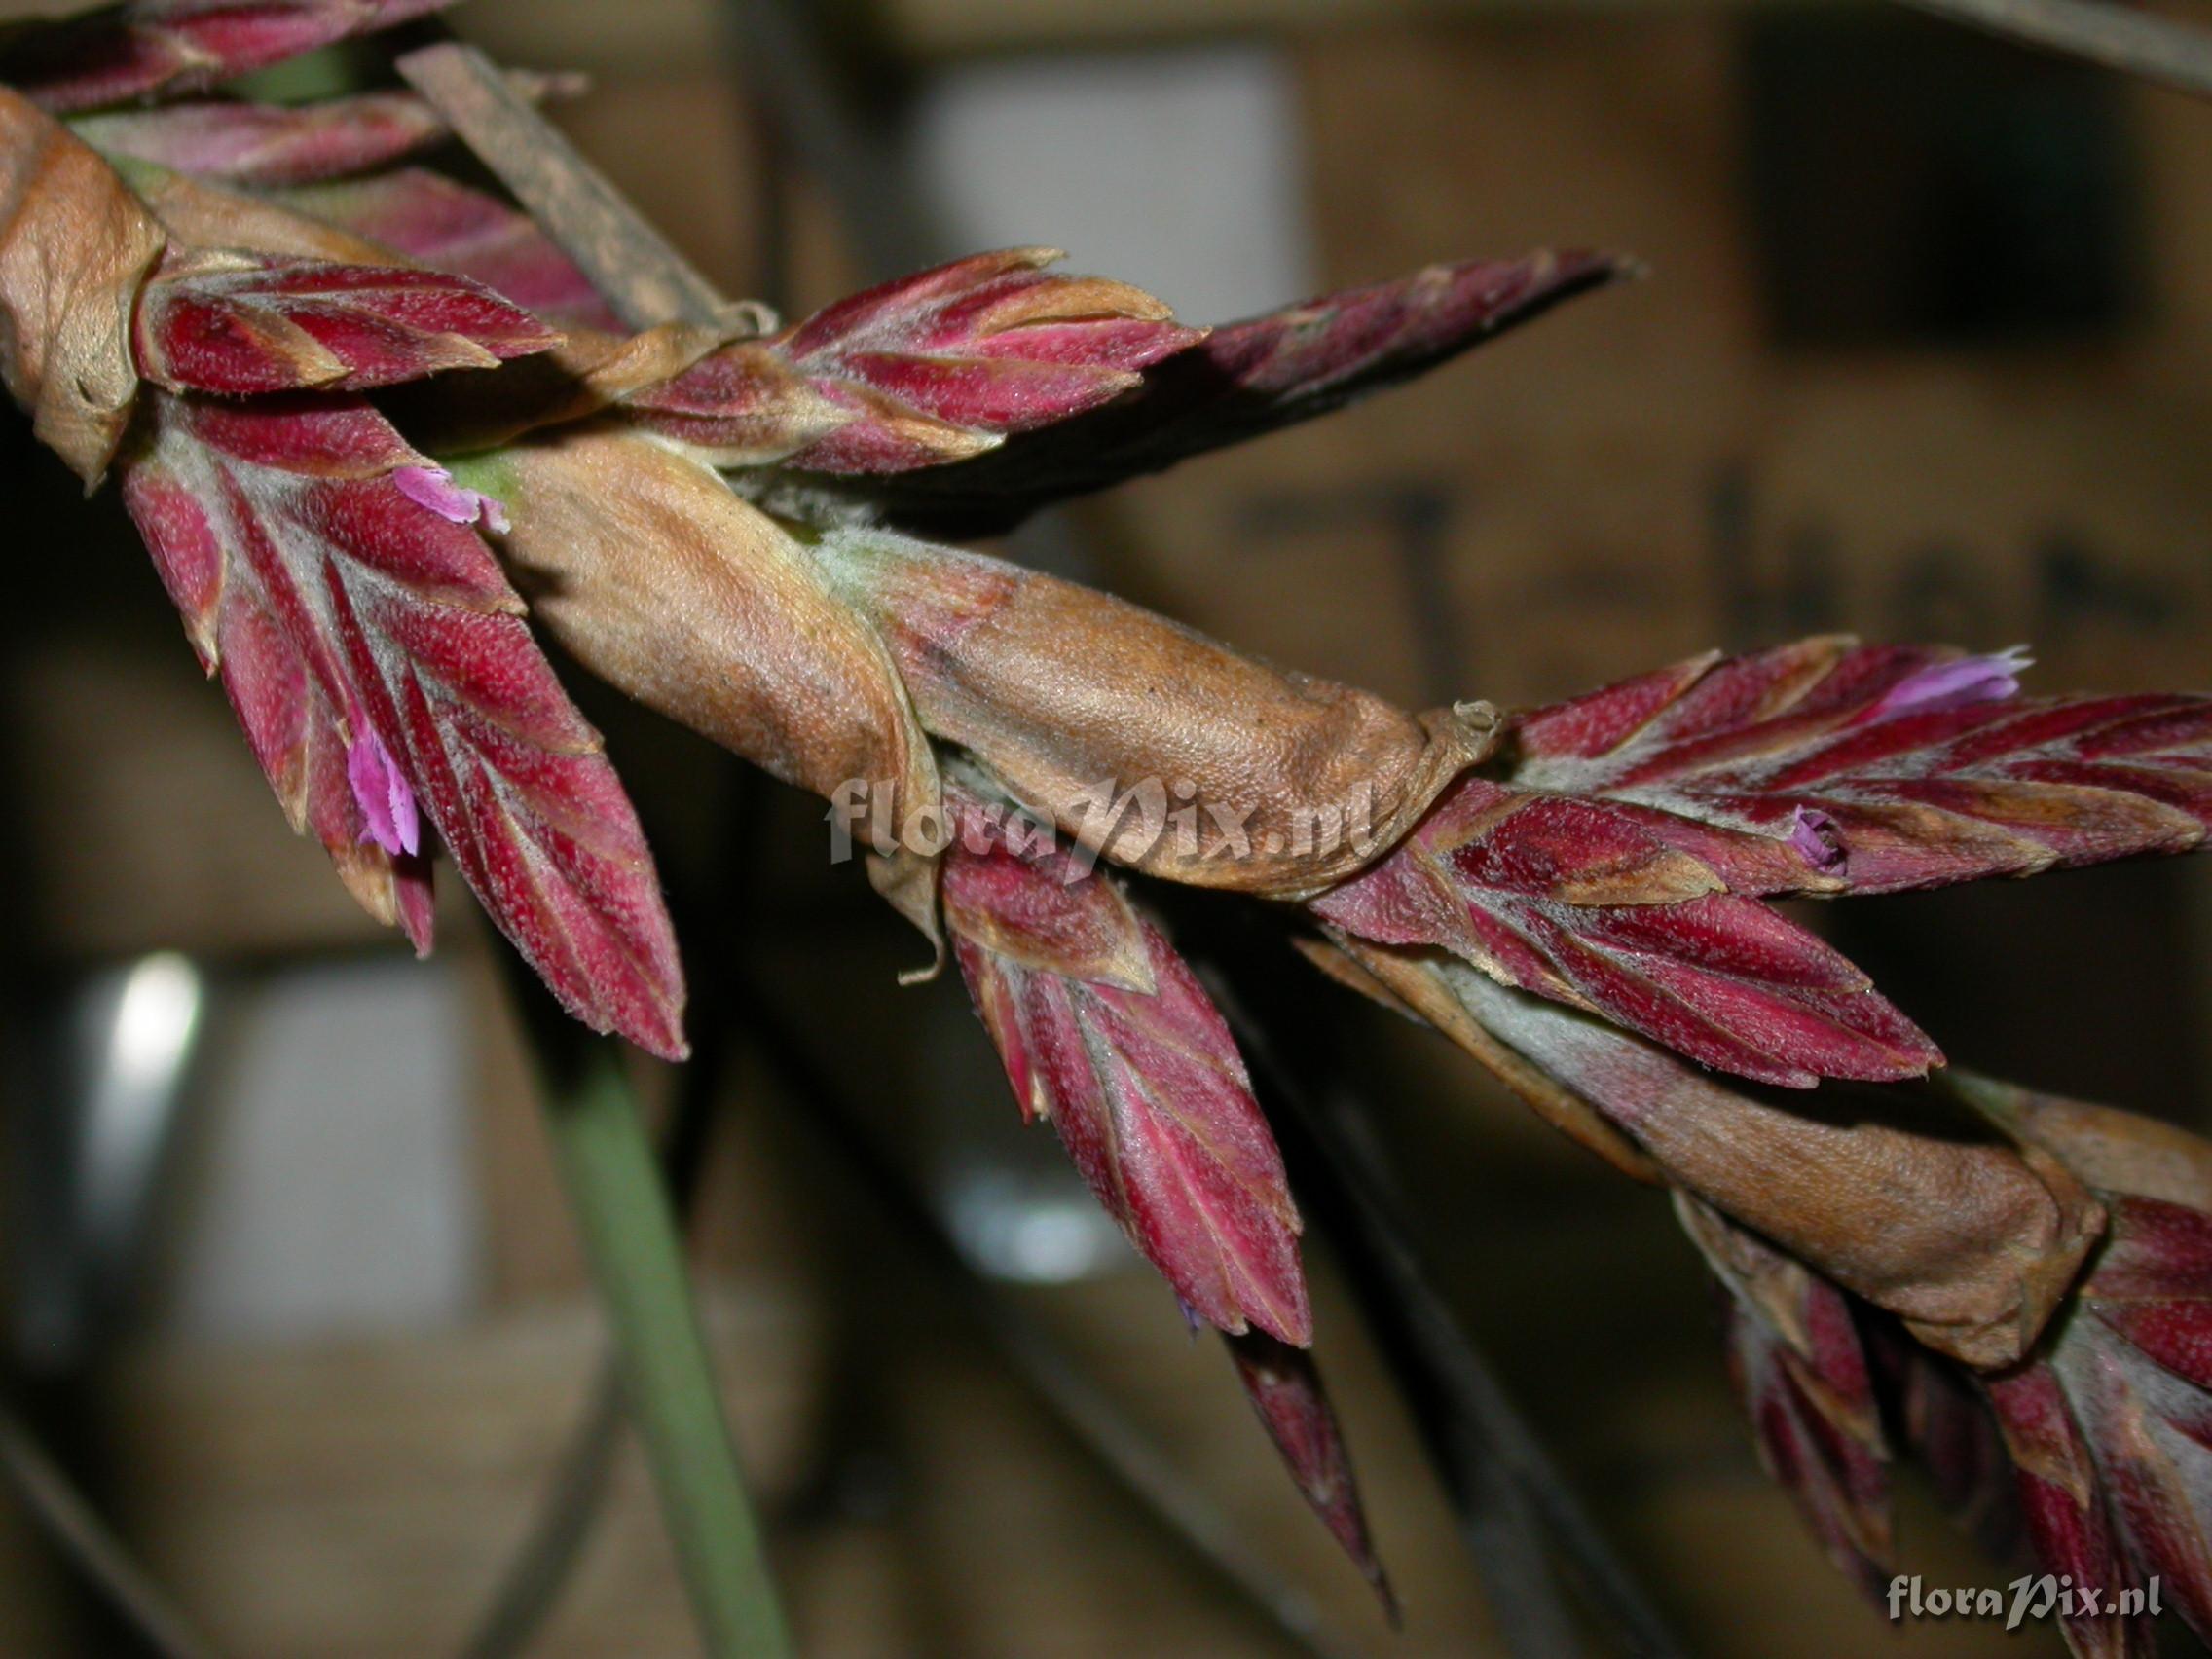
[616, 1190]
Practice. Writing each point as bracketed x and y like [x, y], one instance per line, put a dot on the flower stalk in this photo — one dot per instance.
[613, 1186]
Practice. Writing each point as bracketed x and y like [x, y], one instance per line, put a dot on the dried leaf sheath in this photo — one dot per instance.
[340, 608]
[74, 246]
[1966, 1240]
[1106, 1033]
[1159, 747]
[663, 582]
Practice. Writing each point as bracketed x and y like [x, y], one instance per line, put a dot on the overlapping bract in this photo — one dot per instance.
[1884, 767]
[920, 371]
[1802, 1370]
[1614, 856]
[1250, 378]
[145, 49]
[268, 146]
[318, 562]
[431, 220]
[1818, 1402]
[369, 642]
[1562, 897]
[1107, 1034]
[2111, 1426]
[241, 326]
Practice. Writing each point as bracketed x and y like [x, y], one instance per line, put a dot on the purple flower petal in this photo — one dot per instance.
[1814, 835]
[1948, 684]
[433, 487]
[387, 802]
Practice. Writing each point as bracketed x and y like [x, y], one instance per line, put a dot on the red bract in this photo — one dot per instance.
[1105, 1031]
[2063, 1505]
[1567, 899]
[1943, 1420]
[430, 220]
[1799, 1365]
[168, 48]
[373, 653]
[1616, 863]
[268, 144]
[2134, 1373]
[1880, 767]
[928, 369]
[2112, 1425]
[1250, 378]
[1285, 1388]
[238, 327]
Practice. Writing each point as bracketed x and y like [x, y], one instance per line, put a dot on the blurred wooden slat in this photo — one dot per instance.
[335, 1500]
[662, 32]
[358, 1499]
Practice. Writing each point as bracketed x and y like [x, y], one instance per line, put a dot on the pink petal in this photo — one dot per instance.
[1954, 684]
[1813, 834]
[433, 487]
[387, 803]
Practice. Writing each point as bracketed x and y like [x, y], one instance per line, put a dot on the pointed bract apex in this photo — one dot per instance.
[1614, 856]
[1588, 907]
[239, 326]
[1251, 377]
[1285, 1388]
[1801, 1370]
[2128, 1377]
[378, 660]
[928, 369]
[265, 146]
[440, 223]
[2068, 1522]
[1829, 766]
[149, 48]
[1105, 1031]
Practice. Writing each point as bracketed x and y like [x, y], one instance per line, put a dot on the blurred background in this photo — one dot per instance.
[1922, 354]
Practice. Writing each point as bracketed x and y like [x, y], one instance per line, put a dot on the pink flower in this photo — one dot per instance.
[1813, 834]
[433, 487]
[387, 802]
[1954, 684]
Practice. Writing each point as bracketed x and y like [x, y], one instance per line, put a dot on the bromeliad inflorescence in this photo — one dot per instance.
[231, 306]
